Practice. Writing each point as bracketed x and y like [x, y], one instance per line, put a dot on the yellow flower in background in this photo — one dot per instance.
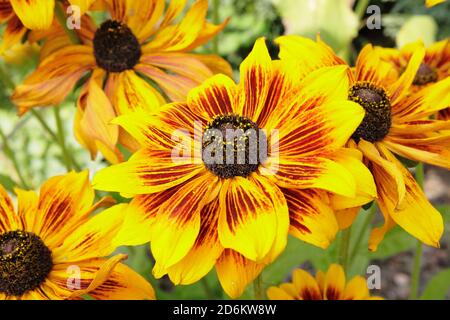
[432, 3]
[51, 249]
[140, 41]
[329, 286]
[236, 216]
[434, 67]
[22, 15]
[394, 124]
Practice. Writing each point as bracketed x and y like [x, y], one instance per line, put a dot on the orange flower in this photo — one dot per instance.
[140, 41]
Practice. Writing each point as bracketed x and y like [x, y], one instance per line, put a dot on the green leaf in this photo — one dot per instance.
[421, 27]
[438, 287]
[397, 240]
[7, 183]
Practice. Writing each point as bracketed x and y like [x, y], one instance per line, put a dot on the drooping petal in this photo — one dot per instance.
[246, 212]
[311, 218]
[55, 77]
[34, 14]
[177, 224]
[206, 250]
[235, 272]
[147, 171]
[415, 214]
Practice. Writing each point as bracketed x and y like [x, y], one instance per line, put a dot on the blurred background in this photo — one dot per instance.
[343, 25]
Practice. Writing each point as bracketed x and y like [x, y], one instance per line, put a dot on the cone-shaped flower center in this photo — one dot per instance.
[377, 121]
[425, 74]
[233, 146]
[25, 262]
[116, 48]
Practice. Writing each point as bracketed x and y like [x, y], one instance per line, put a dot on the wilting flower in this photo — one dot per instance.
[432, 3]
[434, 67]
[394, 123]
[329, 286]
[20, 16]
[140, 41]
[235, 215]
[51, 249]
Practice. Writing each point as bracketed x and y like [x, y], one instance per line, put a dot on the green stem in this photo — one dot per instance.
[361, 8]
[62, 142]
[415, 275]
[215, 19]
[6, 79]
[206, 288]
[344, 248]
[11, 155]
[62, 19]
[44, 125]
[258, 287]
[362, 231]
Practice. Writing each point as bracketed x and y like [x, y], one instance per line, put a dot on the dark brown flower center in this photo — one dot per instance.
[377, 121]
[233, 146]
[425, 74]
[25, 262]
[116, 48]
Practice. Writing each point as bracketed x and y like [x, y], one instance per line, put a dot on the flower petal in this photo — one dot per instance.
[306, 285]
[311, 218]
[246, 212]
[356, 289]
[13, 34]
[55, 77]
[206, 250]
[334, 283]
[147, 171]
[28, 202]
[34, 14]
[178, 221]
[235, 272]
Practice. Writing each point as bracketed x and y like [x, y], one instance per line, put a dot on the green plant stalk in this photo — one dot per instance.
[11, 155]
[415, 275]
[62, 19]
[361, 8]
[61, 139]
[215, 19]
[44, 125]
[258, 288]
[206, 288]
[366, 224]
[6, 79]
[344, 248]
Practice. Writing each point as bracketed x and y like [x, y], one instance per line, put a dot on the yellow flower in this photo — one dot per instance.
[236, 216]
[393, 124]
[434, 67]
[140, 41]
[329, 286]
[432, 3]
[51, 249]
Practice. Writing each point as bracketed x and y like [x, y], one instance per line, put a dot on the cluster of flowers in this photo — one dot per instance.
[340, 132]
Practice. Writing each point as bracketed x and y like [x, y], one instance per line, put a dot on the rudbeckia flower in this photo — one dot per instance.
[329, 286]
[434, 67]
[394, 124]
[22, 15]
[236, 214]
[141, 41]
[51, 249]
